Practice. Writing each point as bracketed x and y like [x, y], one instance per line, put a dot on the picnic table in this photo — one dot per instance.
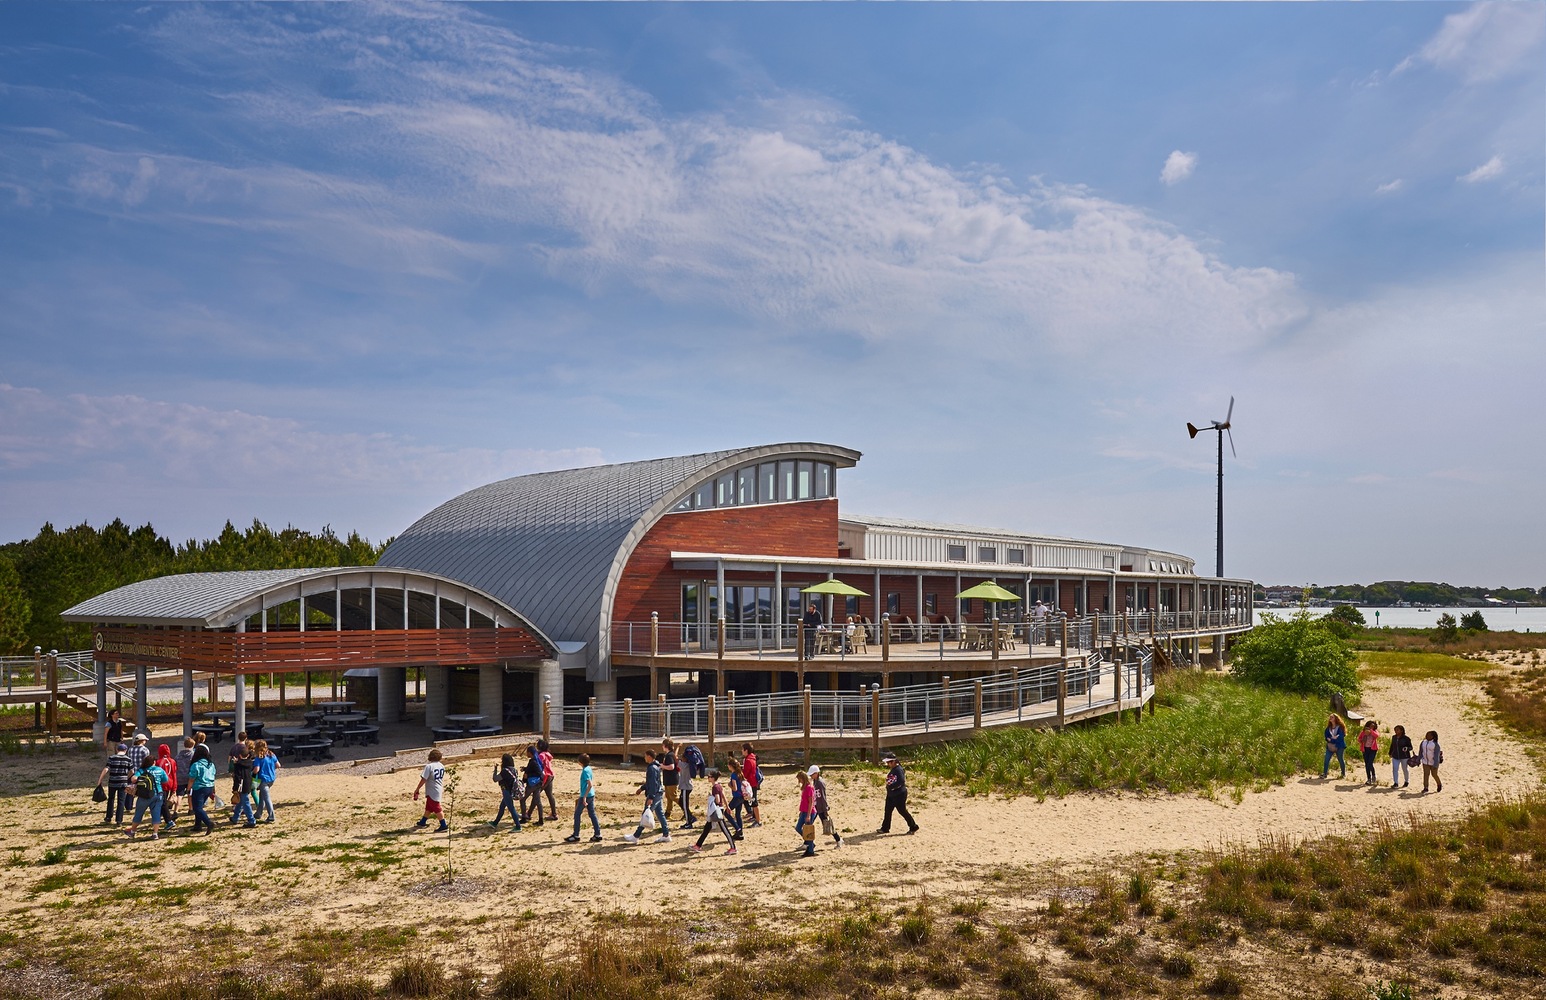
[289, 736]
[336, 707]
[213, 731]
[465, 721]
[226, 717]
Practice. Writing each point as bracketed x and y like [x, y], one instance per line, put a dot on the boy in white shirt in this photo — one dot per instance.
[432, 781]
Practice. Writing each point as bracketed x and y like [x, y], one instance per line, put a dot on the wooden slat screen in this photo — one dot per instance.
[279, 652]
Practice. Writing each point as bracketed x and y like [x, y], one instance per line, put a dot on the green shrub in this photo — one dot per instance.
[1299, 654]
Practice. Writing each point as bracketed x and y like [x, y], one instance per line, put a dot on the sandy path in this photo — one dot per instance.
[344, 851]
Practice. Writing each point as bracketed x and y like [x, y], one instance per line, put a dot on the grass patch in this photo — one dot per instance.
[1418, 666]
[1519, 700]
[1209, 731]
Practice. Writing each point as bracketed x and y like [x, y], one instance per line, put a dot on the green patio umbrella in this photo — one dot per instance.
[837, 587]
[988, 591]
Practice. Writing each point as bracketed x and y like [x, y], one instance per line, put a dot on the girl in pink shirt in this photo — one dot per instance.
[1369, 743]
[806, 825]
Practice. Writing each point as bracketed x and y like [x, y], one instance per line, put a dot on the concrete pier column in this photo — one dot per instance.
[99, 728]
[187, 703]
[437, 695]
[491, 694]
[141, 695]
[240, 723]
[391, 693]
[606, 694]
[550, 684]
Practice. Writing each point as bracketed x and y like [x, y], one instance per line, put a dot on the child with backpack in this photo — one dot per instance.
[265, 771]
[531, 787]
[168, 765]
[753, 775]
[740, 791]
[509, 781]
[546, 756]
[714, 815]
[149, 789]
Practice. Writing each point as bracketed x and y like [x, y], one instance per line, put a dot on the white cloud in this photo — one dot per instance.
[1485, 41]
[1486, 172]
[1178, 167]
[1390, 187]
[495, 155]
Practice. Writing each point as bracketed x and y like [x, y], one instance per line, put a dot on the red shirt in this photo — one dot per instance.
[749, 769]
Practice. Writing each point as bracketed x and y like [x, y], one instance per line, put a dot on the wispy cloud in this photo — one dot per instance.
[1178, 167]
[1487, 171]
[497, 155]
[1389, 187]
[1484, 42]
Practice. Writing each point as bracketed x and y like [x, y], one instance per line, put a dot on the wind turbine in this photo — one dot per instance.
[1222, 428]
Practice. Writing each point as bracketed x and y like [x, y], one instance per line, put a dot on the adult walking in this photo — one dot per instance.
[1336, 745]
[823, 808]
[653, 791]
[585, 802]
[1369, 743]
[118, 776]
[112, 734]
[1400, 758]
[1431, 755]
[896, 795]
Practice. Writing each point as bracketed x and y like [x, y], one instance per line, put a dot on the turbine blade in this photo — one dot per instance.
[1231, 435]
[1231, 411]
[1191, 430]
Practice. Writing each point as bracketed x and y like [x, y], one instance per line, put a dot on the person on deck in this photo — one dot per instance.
[813, 621]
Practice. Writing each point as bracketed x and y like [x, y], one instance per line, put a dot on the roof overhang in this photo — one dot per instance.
[749, 563]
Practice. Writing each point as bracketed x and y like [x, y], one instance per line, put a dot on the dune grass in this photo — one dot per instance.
[1519, 700]
[1418, 666]
[1209, 732]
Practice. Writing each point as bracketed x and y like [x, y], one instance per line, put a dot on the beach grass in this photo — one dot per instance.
[1209, 732]
[1408, 665]
[1519, 700]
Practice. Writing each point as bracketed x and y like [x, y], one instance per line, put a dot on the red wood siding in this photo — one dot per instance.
[649, 583]
[262, 652]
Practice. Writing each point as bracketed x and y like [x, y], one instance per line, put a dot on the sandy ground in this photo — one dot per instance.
[345, 853]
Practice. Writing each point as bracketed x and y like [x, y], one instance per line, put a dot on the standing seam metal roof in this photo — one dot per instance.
[553, 544]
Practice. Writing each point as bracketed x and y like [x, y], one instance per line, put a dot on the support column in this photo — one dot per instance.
[99, 727]
[141, 710]
[606, 693]
[437, 696]
[391, 693]
[550, 684]
[239, 724]
[491, 693]
[187, 703]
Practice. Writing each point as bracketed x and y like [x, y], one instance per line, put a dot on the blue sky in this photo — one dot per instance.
[333, 264]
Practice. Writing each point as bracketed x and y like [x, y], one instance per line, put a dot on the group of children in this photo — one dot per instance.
[162, 786]
[1429, 753]
[730, 806]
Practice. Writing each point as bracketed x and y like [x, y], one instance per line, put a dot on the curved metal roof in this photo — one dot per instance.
[221, 599]
[553, 544]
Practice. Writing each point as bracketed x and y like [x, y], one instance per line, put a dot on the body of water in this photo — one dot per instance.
[1498, 619]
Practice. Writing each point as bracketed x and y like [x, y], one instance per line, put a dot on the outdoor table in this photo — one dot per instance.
[212, 730]
[466, 722]
[288, 736]
[226, 717]
[254, 729]
[341, 721]
[336, 707]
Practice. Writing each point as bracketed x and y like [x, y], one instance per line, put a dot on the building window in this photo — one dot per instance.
[767, 481]
[893, 604]
[1015, 555]
[786, 481]
[746, 485]
[723, 487]
[987, 553]
[931, 604]
[957, 553]
[825, 481]
[803, 491]
[851, 605]
[966, 607]
[1110, 562]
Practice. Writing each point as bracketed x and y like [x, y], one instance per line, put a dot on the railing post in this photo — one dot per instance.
[806, 712]
[627, 727]
[976, 705]
[665, 716]
[1019, 696]
[1116, 684]
[590, 718]
[875, 723]
[719, 640]
[1065, 638]
[711, 730]
[995, 639]
[885, 638]
[730, 729]
[654, 634]
[944, 699]
[1062, 696]
[799, 640]
[53, 693]
[547, 717]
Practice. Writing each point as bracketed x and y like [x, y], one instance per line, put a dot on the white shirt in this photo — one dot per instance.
[434, 776]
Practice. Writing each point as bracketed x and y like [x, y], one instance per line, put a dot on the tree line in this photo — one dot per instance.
[1389, 592]
[54, 570]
